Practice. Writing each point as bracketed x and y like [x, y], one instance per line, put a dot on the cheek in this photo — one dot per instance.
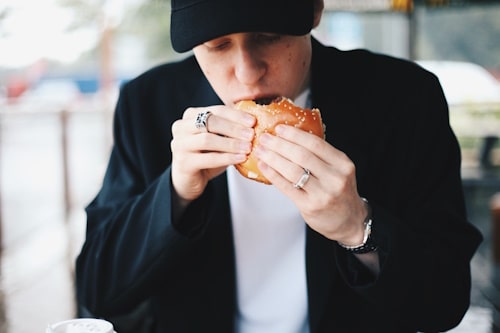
[215, 79]
[297, 56]
[210, 75]
[209, 65]
[212, 72]
[301, 61]
[218, 78]
[298, 63]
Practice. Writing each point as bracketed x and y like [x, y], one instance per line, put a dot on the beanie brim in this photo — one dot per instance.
[205, 20]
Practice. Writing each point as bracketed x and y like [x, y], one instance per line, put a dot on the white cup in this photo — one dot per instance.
[82, 325]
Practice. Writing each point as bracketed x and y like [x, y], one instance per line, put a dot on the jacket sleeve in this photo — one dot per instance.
[131, 244]
[419, 218]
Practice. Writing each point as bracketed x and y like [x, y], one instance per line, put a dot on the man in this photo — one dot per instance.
[373, 237]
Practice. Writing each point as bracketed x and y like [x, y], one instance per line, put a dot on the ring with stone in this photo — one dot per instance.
[202, 120]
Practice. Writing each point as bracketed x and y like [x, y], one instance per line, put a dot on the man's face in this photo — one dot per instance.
[256, 65]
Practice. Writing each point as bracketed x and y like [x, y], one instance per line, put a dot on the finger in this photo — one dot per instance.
[290, 159]
[217, 126]
[193, 162]
[285, 185]
[286, 168]
[331, 160]
[229, 128]
[311, 142]
[209, 142]
[222, 120]
[222, 111]
[287, 157]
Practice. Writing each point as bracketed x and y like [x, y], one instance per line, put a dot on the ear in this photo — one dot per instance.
[319, 5]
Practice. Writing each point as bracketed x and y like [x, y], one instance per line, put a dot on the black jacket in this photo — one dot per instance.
[388, 115]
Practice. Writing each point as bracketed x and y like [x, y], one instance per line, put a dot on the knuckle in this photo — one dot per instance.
[349, 169]
[204, 139]
[190, 112]
[175, 127]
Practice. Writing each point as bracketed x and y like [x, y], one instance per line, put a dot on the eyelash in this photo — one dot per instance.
[258, 38]
[220, 46]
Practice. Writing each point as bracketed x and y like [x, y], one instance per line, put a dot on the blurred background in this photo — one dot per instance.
[62, 63]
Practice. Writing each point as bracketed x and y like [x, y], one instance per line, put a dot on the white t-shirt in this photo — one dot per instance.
[269, 236]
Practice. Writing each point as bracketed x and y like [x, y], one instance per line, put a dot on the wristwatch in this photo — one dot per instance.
[368, 245]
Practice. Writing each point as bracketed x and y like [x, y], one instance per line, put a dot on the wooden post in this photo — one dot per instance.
[412, 17]
[3, 316]
[1, 222]
[106, 58]
[65, 164]
[495, 228]
[485, 156]
[495, 251]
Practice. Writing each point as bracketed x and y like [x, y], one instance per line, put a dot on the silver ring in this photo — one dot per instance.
[303, 179]
[202, 120]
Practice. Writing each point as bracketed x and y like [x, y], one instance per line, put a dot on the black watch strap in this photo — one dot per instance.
[368, 245]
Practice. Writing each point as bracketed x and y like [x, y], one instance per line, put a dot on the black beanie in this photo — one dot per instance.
[194, 22]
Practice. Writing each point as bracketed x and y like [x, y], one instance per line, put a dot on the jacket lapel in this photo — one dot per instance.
[222, 303]
[333, 91]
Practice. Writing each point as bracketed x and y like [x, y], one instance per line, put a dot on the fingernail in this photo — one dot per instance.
[249, 119]
[248, 133]
[239, 158]
[264, 138]
[262, 166]
[245, 147]
[259, 150]
[280, 129]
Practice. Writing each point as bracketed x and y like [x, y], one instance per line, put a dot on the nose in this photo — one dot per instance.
[249, 68]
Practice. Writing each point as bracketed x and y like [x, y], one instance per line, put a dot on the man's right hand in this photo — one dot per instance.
[199, 155]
